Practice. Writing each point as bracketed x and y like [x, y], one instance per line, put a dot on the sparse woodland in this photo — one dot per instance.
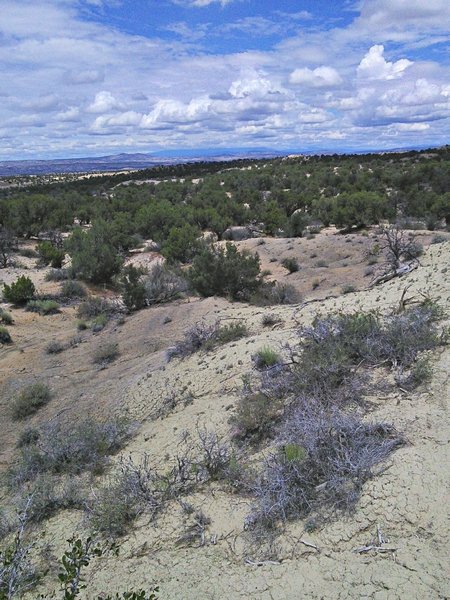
[291, 289]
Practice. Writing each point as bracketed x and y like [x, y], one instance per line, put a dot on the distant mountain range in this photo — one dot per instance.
[123, 162]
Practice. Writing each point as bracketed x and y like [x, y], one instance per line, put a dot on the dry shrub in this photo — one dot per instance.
[202, 336]
[320, 464]
[163, 285]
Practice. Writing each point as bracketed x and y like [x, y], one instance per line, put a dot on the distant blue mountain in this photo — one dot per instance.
[123, 162]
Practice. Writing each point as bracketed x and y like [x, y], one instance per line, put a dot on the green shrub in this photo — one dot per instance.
[54, 347]
[182, 243]
[94, 257]
[43, 307]
[72, 289]
[133, 288]
[106, 353]
[20, 291]
[30, 399]
[315, 284]
[50, 254]
[291, 264]
[266, 357]
[322, 264]
[27, 437]
[69, 448]
[225, 272]
[230, 333]
[6, 317]
[5, 336]
[99, 322]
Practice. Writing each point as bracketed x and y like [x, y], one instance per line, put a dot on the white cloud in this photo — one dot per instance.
[104, 102]
[252, 84]
[375, 66]
[70, 115]
[319, 78]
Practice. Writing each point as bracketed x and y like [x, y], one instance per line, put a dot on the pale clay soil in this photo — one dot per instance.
[408, 500]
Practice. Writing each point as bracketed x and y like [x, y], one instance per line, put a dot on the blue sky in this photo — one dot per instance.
[92, 77]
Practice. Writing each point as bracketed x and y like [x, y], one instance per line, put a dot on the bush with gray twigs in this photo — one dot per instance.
[202, 336]
[321, 461]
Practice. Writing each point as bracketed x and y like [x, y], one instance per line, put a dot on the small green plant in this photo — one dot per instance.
[77, 558]
[266, 357]
[30, 399]
[106, 353]
[5, 336]
[291, 264]
[322, 264]
[43, 307]
[230, 333]
[20, 291]
[293, 452]
[315, 284]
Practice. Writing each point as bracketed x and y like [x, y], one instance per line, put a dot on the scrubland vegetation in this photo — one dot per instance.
[302, 441]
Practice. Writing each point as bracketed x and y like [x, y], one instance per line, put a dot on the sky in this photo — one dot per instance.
[96, 77]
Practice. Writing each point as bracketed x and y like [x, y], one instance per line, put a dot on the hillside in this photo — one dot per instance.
[171, 402]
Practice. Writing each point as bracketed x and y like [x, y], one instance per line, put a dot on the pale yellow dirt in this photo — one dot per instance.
[169, 400]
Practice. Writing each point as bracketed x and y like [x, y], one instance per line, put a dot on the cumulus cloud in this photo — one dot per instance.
[70, 115]
[319, 78]
[252, 84]
[104, 102]
[375, 66]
